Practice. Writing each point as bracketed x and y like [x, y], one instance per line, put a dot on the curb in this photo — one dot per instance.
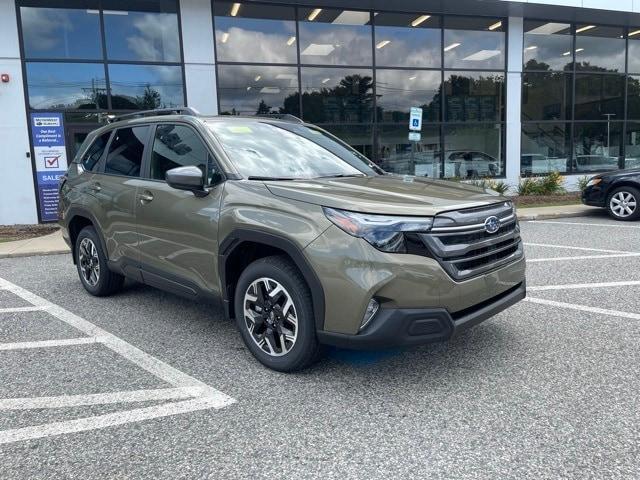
[33, 254]
[528, 217]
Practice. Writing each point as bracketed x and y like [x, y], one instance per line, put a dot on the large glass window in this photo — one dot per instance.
[400, 155]
[146, 87]
[632, 146]
[473, 151]
[142, 36]
[258, 90]
[399, 90]
[598, 96]
[545, 148]
[255, 33]
[474, 42]
[600, 48]
[176, 146]
[407, 40]
[335, 37]
[57, 33]
[125, 151]
[337, 95]
[546, 96]
[55, 86]
[596, 146]
[547, 45]
[633, 97]
[633, 54]
[474, 96]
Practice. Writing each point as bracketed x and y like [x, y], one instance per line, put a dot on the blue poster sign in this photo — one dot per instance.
[50, 155]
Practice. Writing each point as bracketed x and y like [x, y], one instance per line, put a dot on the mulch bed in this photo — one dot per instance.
[22, 232]
[547, 200]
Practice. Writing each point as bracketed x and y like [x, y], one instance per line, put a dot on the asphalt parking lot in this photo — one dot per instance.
[148, 385]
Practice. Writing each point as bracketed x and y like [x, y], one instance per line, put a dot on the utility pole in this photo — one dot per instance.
[609, 115]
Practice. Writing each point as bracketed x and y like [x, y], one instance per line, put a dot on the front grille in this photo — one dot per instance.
[461, 244]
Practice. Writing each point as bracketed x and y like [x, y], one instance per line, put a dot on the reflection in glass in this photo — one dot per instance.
[600, 49]
[337, 95]
[176, 146]
[547, 45]
[145, 87]
[256, 33]
[598, 95]
[357, 136]
[474, 42]
[596, 146]
[125, 151]
[335, 37]
[632, 146]
[633, 97]
[399, 90]
[142, 36]
[66, 85]
[397, 154]
[407, 40]
[256, 90]
[61, 33]
[634, 51]
[474, 96]
[545, 148]
[546, 96]
[473, 151]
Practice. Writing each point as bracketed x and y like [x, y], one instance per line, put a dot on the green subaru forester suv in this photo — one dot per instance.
[303, 240]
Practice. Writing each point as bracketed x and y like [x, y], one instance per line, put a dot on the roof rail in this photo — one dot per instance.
[281, 116]
[150, 113]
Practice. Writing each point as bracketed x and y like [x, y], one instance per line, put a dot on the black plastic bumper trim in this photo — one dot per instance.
[403, 327]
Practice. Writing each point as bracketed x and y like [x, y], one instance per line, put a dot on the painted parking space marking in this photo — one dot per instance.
[583, 308]
[580, 257]
[22, 309]
[193, 394]
[573, 286]
[583, 249]
[608, 225]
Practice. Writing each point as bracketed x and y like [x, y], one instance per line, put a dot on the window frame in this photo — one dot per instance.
[145, 151]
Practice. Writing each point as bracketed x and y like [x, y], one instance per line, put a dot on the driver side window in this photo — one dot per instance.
[179, 146]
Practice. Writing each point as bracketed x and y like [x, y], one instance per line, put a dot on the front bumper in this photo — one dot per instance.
[595, 196]
[399, 327]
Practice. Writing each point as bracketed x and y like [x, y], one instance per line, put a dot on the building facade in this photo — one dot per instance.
[507, 89]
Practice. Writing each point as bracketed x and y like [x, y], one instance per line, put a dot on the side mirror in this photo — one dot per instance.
[187, 178]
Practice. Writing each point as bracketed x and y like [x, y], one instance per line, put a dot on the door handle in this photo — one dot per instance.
[145, 197]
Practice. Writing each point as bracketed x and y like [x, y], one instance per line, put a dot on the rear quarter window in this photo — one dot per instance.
[94, 153]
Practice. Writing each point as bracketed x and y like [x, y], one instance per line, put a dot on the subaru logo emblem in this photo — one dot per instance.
[492, 224]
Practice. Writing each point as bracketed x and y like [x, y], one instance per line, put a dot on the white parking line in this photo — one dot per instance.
[584, 308]
[22, 309]
[581, 257]
[573, 286]
[585, 249]
[99, 398]
[63, 342]
[608, 225]
[201, 396]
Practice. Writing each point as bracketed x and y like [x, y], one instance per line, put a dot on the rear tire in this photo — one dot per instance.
[91, 262]
[274, 313]
[623, 204]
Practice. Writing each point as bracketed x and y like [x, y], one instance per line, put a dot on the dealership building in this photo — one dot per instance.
[507, 89]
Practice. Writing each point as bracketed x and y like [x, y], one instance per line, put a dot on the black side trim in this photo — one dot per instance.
[417, 326]
[75, 211]
[234, 241]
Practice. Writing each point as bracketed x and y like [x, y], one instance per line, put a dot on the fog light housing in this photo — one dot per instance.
[370, 312]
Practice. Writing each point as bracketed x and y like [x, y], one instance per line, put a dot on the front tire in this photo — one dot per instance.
[274, 313]
[622, 204]
[91, 262]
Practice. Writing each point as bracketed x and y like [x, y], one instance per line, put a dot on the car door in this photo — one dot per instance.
[112, 192]
[177, 230]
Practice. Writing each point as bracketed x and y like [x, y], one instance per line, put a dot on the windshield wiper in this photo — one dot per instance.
[342, 175]
[270, 178]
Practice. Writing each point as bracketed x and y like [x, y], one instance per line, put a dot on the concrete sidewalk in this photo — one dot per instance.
[54, 244]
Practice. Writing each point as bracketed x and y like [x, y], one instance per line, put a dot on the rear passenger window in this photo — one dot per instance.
[176, 146]
[125, 152]
[94, 152]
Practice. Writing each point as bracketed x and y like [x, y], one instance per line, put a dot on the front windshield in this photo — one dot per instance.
[286, 151]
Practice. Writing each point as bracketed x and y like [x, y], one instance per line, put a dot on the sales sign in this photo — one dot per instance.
[415, 119]
[50, 155]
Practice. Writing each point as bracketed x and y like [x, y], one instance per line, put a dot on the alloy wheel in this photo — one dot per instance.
[89, 262]
[270, 316]
[623, 204]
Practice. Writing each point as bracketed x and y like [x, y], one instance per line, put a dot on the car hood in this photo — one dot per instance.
[385, 194]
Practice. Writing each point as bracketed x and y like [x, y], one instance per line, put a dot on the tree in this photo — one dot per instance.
[263, 108]
[150, 99]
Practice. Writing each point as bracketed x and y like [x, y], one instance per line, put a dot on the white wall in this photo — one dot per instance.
[17, 194]
[199, 58]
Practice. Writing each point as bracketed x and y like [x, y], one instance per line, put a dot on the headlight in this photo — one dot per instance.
[385, 232]
[593, 181]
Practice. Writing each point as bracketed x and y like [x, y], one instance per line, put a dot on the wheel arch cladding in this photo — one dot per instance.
[80, 219]
[241, 247]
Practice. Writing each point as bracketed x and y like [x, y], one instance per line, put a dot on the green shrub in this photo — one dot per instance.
[551, 184]
[582, 183]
